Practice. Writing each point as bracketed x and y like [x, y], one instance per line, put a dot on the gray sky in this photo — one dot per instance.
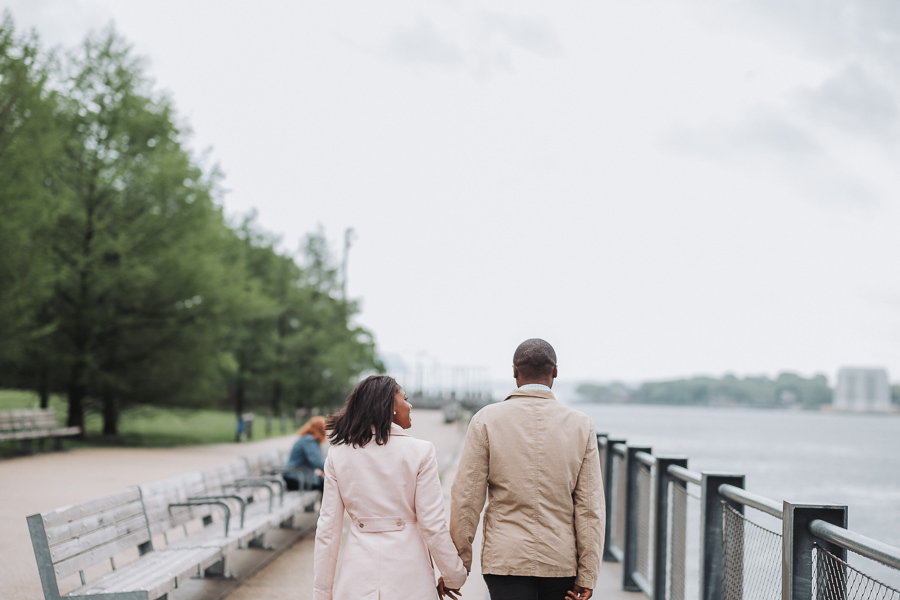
[659, 189]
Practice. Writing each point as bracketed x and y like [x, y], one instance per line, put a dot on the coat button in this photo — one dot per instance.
[362, 524]
[399, 523]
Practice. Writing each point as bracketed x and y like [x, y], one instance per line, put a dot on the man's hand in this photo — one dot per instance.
[579, 593]
[452, 593]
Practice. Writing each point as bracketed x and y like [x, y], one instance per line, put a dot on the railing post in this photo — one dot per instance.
[661, 528]
[797, 545]
[606, 465]
[629, 552]
[711, 527]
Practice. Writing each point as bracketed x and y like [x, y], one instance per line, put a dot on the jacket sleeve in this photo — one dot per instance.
[590, 515]
[313, 451]
[328, 535]
[433, 522]
[469, 490]
[295, 459]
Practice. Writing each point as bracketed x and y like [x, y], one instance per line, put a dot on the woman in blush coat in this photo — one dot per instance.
[388, 484]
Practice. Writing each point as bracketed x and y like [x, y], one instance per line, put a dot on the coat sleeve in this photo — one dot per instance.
[295, 459]
[590, 515]
[469, 490]
[313, 451]
[328, 535]
[433, 522]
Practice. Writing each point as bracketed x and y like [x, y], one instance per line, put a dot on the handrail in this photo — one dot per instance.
[647, 459]
[752, 500]
[685, 475]
[620, 449]
[858, 543]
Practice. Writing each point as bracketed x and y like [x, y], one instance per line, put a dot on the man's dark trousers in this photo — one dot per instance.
[516, 587]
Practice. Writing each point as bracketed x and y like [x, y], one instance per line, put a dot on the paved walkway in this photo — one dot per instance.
[38, 483]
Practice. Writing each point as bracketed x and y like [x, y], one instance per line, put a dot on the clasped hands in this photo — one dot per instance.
[443, 590]
[576, 593]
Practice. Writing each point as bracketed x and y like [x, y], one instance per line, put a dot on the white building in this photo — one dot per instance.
[862, 389]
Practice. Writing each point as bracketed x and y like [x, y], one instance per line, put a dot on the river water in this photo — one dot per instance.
[799, 456]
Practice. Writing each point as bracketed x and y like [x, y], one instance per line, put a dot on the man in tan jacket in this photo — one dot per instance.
[537, 462]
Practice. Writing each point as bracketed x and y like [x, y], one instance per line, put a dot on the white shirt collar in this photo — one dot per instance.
[534, 386]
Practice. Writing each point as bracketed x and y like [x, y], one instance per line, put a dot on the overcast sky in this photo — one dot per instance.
[658, 188]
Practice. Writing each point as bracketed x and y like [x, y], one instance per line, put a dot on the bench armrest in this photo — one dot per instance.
[221, 503]
[263, 479]
[240, 500]
[239, 484]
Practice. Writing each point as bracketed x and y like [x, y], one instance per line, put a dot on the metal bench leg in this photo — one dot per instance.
[27, 447]
[217, 569]
[260, 543]
[57, 443]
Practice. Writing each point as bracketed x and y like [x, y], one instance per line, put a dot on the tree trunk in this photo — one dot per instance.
[110, 413]
[276, 397]
[76, 394]
[239, 403]
[44, 387]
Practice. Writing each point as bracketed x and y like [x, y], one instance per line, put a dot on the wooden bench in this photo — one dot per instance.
[144, 542]
[27, 424]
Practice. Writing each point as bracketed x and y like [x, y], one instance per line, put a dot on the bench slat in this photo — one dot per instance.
[61, 516]
[32, 423]
[107, 537]
[101, 553]
[158, 573]
[81, 527]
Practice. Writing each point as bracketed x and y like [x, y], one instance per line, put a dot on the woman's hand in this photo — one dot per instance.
[452, 593]
[320, 472]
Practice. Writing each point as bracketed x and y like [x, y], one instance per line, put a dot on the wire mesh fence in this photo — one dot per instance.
[835, 579]
[684, 541]
[752, 559]
[619, 500]
[643, 564]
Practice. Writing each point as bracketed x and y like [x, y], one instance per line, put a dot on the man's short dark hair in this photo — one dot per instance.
[535, 358]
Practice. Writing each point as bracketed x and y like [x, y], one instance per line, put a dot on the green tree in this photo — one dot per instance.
[30, 146]
[120, 281]
[297, 345]
[331, 351]
[788, 389]
[141, 289]
[604, 394]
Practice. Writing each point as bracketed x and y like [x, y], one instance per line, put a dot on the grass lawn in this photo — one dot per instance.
[146, 426]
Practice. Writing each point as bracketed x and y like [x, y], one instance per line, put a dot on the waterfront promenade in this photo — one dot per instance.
[49, 480]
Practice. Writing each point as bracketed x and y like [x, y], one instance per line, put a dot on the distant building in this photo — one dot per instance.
[862, 390]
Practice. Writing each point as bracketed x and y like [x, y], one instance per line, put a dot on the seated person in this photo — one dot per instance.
[305, 461]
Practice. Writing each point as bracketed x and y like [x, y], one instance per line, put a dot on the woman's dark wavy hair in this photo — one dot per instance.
[370, 404]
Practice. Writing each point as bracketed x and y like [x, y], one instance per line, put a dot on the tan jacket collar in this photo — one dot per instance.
[519, 393]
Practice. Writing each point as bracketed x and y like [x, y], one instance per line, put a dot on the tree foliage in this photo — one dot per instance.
[29, 143]
[786, 390]
[121, 281]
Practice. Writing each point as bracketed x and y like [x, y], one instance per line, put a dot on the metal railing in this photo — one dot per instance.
[647, 531]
